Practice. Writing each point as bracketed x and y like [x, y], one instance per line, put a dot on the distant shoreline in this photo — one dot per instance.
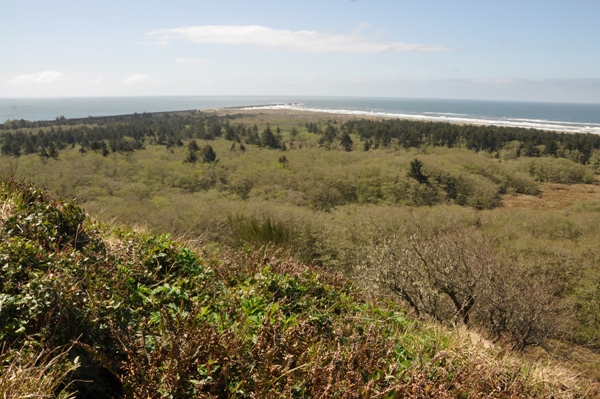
[341, 116]
[570, 118]
[263, 114]
[453, 118]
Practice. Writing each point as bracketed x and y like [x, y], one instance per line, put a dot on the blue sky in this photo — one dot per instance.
[497, 50]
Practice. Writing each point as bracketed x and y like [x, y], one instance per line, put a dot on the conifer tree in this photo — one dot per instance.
[283, 161]
[416, 172]
[193, 146]
[268, 139]
[192, 154]
[346, 142]
[208, 154]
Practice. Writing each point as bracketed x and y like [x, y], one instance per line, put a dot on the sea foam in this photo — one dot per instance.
[450, 117]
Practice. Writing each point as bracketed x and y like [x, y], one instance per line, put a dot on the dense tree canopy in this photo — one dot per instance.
[132, 132]
[531, 142]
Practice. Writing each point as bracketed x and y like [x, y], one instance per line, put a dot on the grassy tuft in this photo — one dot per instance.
[259, 231]
[26, 373]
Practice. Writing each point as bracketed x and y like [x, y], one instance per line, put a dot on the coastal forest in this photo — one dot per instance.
[260, 253]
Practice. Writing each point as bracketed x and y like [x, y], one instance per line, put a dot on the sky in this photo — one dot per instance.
[525, 50]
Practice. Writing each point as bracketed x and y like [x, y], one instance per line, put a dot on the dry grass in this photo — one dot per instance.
[578, 360]
[543, 377]
[6, 210]
[35, 375]
[554, 196]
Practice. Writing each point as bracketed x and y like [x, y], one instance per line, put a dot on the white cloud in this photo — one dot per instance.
[302, 41]
[361, 28]
[37, 78]
[134, 79]
[97, 81]
[192, 60]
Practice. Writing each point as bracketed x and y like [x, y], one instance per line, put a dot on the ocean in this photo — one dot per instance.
[567, 117]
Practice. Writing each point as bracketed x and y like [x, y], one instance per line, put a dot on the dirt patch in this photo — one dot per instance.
[553, 196]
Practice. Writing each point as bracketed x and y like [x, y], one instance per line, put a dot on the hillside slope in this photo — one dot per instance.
[143, 316]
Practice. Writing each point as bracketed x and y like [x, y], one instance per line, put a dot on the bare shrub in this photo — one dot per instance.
[456, 275]
[522, 304]
[434, 273]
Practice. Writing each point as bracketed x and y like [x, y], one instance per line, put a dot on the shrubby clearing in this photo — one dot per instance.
[90, 309]
[271, 215]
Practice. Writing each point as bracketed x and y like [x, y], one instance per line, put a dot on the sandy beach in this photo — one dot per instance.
[263, 115]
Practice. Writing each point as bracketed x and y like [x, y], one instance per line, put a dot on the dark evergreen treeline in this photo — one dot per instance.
[61, 120]
[410, 134]
[119, 134]
[127, 133]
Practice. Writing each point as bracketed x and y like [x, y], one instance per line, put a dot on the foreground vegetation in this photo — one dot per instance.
[102, 311]
[412, 211]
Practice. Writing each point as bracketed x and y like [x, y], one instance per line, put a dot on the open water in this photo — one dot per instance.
[567, 117]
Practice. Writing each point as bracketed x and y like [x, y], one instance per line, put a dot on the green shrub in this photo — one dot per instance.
[555, 170]
[478, 192]
[518, 182]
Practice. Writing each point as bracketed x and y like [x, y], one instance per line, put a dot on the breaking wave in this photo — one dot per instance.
[541, 124]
